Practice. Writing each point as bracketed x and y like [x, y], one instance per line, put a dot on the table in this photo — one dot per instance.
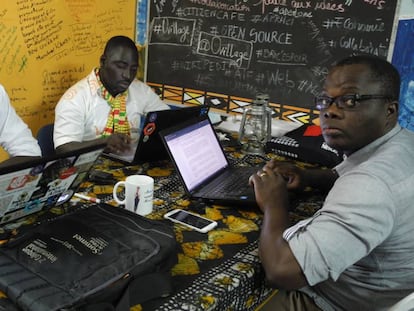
[219, 270]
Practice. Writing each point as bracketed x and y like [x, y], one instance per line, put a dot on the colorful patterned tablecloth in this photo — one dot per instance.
[218, 270]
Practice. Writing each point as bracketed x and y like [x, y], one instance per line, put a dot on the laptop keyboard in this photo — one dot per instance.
[234, 184]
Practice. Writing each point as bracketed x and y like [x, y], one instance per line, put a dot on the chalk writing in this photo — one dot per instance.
[159, 6]
[274, 36]
[363, 46]
[237, 51]
[281, 57]
[281, 47]
[233, 31]
[378, 4]
[293, 12]
[175, 31]
[329, 6]
[272, 18]
[207, 13]
[236, 5]
[339, 22]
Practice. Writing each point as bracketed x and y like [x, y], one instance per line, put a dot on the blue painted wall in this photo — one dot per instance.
[403, 59]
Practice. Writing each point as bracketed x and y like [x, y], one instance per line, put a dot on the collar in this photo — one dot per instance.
[364, 153]
[93, 83]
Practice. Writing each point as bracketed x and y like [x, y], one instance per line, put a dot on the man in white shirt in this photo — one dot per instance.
[106, 104]
[15, 136]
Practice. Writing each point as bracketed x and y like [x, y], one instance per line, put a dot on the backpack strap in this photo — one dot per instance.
[102, 306]
[139, 290]
[144, 288]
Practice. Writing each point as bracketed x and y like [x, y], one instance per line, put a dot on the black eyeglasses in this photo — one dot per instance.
[347, 102]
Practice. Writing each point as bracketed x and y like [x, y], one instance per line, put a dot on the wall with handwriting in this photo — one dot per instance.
[225, 52]
[48, 45]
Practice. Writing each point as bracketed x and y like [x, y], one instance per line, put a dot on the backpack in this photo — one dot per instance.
[96, 258]
[307, 144]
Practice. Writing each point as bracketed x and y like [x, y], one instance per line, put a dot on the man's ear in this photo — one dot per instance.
[392, 108]
[392, 113]
[102, 60]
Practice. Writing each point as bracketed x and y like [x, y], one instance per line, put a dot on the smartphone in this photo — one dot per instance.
[191, 220]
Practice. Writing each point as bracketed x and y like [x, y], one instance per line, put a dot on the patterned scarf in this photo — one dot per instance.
[117, 120]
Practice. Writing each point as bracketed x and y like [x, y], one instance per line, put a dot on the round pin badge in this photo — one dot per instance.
[149, 129]
[152, 117]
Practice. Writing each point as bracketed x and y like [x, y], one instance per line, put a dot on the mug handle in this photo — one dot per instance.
[114, 193]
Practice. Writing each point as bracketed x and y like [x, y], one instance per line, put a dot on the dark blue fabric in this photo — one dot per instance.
[45, 139]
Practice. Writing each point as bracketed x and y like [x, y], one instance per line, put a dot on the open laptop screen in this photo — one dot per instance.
[148, 147]
[30, 187]
[197, 152]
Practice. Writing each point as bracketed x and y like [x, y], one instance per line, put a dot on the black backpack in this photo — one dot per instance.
[306, 144]
[96, 258]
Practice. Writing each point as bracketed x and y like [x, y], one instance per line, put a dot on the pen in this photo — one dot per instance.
[88, 198]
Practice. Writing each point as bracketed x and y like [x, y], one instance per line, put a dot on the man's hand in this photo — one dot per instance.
[282, 269]
[118, 143]
[293, 175]
[298, 178]
[269, 188]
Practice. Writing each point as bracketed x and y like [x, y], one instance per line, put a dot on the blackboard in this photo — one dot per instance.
[244, 47]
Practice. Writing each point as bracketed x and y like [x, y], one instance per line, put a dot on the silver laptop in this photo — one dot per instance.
[203, 166]
[40, 184]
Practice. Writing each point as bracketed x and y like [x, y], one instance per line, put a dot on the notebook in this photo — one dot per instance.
[148, 146]
[40, 184]
[203, 167]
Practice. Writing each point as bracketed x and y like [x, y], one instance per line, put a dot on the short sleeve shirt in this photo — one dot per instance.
[15, 136]
[81, 114]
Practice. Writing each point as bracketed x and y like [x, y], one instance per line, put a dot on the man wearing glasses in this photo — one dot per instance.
[356, 252]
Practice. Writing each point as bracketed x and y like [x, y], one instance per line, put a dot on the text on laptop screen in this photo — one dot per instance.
[197, 153]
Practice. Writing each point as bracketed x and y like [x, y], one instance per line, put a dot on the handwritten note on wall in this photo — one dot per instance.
[280, 47]
[48, 45]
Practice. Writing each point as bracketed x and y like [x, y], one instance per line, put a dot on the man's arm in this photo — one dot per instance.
[78, 145]
[17, 160]
[298, 178]
[322, 179]
[116, 143]
[271, 189]
[281, 268]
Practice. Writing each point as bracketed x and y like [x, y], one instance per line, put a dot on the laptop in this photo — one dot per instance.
[42, 183]
[203, 167]
[148, 146]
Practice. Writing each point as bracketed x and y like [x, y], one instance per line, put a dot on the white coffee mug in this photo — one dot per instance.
[139, 193]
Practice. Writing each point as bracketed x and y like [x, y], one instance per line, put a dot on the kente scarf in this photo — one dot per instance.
[117, 120]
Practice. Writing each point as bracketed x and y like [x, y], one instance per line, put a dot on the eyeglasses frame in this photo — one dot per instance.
[356, 98]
